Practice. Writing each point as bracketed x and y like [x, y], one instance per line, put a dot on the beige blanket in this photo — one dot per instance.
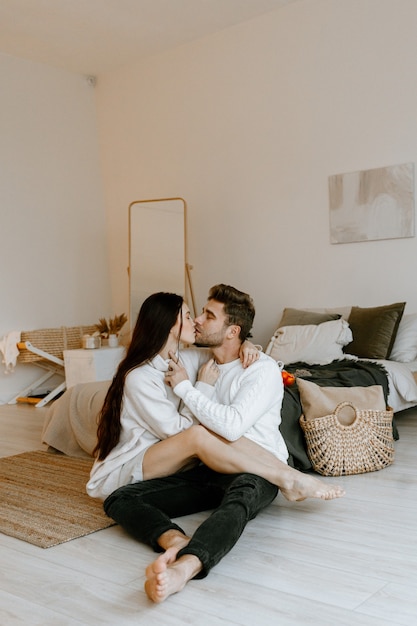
[70, 424]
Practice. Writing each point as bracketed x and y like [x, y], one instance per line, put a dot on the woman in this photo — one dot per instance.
[142, 434]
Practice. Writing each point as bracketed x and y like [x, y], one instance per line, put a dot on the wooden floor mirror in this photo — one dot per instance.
[158, 251]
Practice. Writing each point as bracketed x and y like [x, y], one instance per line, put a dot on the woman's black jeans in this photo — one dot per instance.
[145, 509]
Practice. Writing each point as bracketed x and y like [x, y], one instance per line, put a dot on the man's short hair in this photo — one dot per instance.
[238, 307]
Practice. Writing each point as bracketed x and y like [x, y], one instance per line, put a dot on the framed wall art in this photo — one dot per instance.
[372, 204]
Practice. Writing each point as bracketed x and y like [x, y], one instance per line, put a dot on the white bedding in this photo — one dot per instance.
[402, 384]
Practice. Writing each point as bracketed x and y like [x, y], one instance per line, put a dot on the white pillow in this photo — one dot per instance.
[313, 344]
[405, 344]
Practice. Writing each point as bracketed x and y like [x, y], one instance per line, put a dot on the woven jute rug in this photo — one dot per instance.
[43, 499]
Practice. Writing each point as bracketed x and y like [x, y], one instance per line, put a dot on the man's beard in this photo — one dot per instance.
[209, 341]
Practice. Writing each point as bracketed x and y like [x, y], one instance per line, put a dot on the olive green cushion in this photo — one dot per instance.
[374, 330]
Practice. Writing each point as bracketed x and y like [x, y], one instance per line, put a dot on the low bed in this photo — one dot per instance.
[383, 335]
[345, 347]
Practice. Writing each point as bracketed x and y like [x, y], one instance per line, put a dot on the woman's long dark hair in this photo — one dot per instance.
[158, 314]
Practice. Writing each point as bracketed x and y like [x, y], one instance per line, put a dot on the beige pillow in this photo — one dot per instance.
[319, 401]
[299, 317]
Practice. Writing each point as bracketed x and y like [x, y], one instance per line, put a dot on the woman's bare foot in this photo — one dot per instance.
[166, 576]
[173, 539]
[299, 486]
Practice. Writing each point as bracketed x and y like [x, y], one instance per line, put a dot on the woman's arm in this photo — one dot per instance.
[249, 353]
[150, 404]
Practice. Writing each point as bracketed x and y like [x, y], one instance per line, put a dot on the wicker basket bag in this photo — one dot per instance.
[365, 445]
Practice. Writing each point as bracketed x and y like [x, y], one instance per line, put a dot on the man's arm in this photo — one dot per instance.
[257, 389]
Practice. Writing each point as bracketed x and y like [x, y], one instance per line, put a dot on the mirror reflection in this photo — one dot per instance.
[157, 249]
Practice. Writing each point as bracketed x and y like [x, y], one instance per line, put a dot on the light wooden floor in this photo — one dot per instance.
[348, 562]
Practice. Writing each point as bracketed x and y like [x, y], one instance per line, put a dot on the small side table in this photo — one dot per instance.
[87, 366]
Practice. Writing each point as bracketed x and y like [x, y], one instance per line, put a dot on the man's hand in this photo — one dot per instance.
[209, 373]
[176, 372]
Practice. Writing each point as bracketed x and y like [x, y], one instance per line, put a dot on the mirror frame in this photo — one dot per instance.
[187, 266]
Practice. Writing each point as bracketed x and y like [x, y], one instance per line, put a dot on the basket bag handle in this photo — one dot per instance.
[341, 406]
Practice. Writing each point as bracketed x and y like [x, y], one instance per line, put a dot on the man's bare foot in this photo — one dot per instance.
[300, 486]
[166, 576]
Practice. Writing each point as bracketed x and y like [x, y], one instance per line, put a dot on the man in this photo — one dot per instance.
[237, 404]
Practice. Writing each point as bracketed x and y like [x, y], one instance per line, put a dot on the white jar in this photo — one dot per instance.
[113, 341]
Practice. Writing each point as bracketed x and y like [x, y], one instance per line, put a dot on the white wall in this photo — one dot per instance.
[53, 247]
[247, 125]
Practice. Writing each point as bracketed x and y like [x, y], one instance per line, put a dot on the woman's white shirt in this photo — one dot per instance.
[150, 412]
